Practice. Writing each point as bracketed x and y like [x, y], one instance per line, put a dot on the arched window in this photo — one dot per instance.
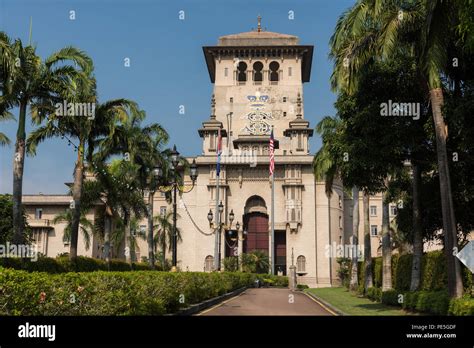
[257, 73]
[301, 264]
[274, 67]
[242, 72]
[208, 263]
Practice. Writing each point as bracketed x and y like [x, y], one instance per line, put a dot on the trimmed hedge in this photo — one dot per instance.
[462, 306]
[375, 294]
[62, 264]
[111, 293]
[273, 280]
[433, 272]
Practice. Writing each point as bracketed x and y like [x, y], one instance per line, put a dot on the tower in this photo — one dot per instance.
[258, 79]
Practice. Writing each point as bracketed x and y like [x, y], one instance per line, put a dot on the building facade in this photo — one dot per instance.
[258, 79]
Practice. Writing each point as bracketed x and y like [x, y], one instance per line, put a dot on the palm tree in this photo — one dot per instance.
[163, 225]
[87, 131]
[87, 227]
[26, 80]
[141, 145]
[376, 30]
[4, 140]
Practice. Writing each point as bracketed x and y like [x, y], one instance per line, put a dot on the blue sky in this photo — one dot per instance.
[167, 64]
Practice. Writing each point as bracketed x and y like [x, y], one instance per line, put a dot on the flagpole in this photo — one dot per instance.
[273, 223]
[218, 222]
[272, 271]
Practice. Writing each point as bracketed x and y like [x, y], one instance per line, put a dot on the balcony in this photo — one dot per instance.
[39, 222]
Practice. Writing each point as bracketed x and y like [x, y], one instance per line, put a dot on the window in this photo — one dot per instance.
[38, 213]
[257, 73]
[284, 99]
[242, 73]
[373, 210]
[274, 67]
[340, 221]
[293, 214]
[393, 210]
[209, 263]
[226, 72]
[284, 113]
[142, 230]
[231, 99]
[289, 71]
[163, 211]
[265, 150]
[301, 264]
[340, 201]
[373, 230]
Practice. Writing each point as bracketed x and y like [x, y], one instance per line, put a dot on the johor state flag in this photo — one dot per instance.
[219, 151]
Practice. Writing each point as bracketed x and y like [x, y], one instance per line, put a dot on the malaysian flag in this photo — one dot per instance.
[272, 156]
[219, 151]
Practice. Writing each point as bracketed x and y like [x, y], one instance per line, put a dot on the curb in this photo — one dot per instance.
[198, 307]
[327, 304]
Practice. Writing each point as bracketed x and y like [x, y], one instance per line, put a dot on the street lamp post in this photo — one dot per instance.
[175, 187]
[220, 227]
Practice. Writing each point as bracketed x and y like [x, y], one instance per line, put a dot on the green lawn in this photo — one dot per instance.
[350, 304]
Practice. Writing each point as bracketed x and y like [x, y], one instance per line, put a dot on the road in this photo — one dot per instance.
[269, 301]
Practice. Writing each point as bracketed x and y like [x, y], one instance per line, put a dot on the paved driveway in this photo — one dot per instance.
[269, 301]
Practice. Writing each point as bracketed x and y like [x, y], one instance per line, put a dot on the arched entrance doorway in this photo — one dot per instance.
[256, 225]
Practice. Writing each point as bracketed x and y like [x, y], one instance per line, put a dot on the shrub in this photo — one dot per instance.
[231, 264]
[377, 264]
[273, 280]
[110, 293]
[402, 272]
[436, 302]
[375, 294]
[62, 264]
[302, 286]
[433, 274]
[344, 270]
[462, 306]
[390, 297]
[255, 262]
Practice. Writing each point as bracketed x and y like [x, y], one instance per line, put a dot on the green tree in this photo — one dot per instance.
[27, 80]
[163, 225]
[88, 132]
[6, 219]
[86, 226]
[424, 29]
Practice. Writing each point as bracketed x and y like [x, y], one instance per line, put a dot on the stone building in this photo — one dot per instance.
[258, 79]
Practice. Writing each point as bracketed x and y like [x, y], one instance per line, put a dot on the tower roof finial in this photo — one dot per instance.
[259, 23]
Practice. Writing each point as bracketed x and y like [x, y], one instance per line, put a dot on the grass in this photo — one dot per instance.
[350, 304]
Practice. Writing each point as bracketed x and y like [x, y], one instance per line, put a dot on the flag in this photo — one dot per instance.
[272, 156]
[219, 151]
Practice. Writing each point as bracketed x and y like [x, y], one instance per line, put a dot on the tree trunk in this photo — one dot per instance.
[18, 168]
[151, 249]
[386, 245]
[128, 237]
[107, 229]
[76, 196]
[355, 240]
[368, 283]
[455, 286]
[417, 232]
